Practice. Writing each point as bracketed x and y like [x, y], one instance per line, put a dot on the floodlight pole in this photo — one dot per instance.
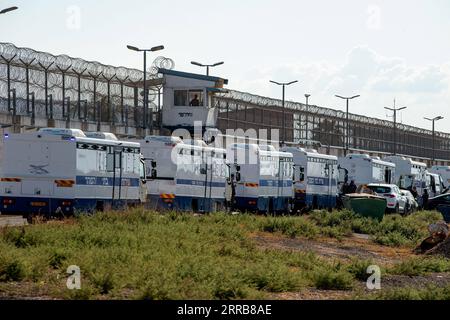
[283, 85]
[395, 110]
[347, 130]
[433, 120]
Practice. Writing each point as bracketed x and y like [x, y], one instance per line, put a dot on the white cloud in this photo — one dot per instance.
[425, 90]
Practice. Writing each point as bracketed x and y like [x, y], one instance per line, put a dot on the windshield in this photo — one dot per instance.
[406, 182]
[380, 190]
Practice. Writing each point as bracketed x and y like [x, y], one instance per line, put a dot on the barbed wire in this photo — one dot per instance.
[29, 71]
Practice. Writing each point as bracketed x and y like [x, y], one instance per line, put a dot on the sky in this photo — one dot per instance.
[382, 50]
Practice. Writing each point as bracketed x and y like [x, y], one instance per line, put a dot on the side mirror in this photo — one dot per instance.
[203, 169]
[238, 176]
[238, 168]
[154, 174]
[153, 164]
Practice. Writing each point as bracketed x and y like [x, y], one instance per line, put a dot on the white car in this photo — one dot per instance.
[396, 202]
[411, 202]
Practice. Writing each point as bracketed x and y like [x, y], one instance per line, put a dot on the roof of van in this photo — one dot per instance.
[101, 135]
[404, 159]
[308, 153]
[71, 135]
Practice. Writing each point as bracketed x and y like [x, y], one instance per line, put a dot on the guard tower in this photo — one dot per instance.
[187, 98]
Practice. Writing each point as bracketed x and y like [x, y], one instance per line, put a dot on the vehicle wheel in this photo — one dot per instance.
[407, 209]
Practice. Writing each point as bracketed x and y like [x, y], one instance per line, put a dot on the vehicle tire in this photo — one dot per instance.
[407, 209]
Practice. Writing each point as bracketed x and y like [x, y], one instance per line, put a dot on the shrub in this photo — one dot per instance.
[12, 270]
[333, 280]
[56, 260]
[421, 266]
[290, 226]
[358, 268]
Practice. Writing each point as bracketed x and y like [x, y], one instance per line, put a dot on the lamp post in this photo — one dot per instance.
[347, 130]
[207, 65]
[433, 120]
[8, 10]
[157, 48]
[395, 110]
[306, 118]
[283, 85]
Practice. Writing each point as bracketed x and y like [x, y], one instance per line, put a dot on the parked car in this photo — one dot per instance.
[396, 202]
[411, 203]
[441, 200]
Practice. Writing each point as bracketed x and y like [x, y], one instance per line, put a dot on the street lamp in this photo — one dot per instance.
[8, 10]
[283, 120]
[347, 131]
[157, 48]
[306, 118]
[395, 110]
[433, 120]
[207, 65]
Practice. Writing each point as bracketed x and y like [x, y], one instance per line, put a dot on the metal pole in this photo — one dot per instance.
[283, 120]
[121, 104]
[347, 131]
[207, 70]
[306, 119]
[46, 92]
[50, 101]
[8, 72]
[33, 110]
[63, 95]
[14, 103]
[395, 131]
[434, 150]
[79, 97]
[145, 93]
[27, 75]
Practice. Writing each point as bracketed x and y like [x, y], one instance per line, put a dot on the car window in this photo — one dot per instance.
[380, 190]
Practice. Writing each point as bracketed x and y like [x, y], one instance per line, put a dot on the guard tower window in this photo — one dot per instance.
[184, 98]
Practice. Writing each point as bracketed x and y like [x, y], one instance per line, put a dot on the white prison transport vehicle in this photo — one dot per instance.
[363, 169]
[262, 178]
[444, 172]
[315, 179]
[408, 173]
[62, 171]
[184, 175]
[434, 184]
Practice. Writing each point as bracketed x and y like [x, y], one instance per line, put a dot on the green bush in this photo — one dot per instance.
[410, 293]
[358, 268]
[420, 266]
[333, 280]
[290, 226]
[12, 270]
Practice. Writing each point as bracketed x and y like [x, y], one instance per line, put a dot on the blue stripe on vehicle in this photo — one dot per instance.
[275, 183]
[200, 183]
[317, 181]
[106, 181]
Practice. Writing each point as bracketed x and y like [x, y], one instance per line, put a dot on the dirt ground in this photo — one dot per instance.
[356, 246]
